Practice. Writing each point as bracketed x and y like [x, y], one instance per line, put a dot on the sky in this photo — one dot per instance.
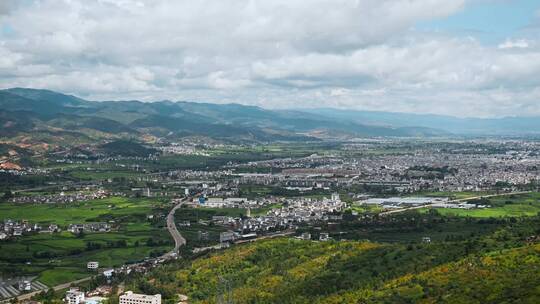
[466, 58]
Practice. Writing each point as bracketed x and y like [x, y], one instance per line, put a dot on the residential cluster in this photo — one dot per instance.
[61, 198]
[285, 218]
[12, 228]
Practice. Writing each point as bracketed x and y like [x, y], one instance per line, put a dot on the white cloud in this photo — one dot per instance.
[279, 53]
[509, 44]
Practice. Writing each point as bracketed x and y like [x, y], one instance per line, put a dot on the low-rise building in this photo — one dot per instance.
[306, 236]
[74, 296]
[426, 239]
[108, 273]
[92, 265]
[228, 236]
[134, 298]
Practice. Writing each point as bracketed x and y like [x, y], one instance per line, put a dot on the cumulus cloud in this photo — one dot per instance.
[361, 54]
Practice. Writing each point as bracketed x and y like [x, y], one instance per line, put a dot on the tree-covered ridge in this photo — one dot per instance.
[291, 271]
[508, 276]
[499, 267]
[266, 272]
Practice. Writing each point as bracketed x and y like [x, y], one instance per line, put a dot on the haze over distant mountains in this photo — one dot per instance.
[455, 125]
[52, 115]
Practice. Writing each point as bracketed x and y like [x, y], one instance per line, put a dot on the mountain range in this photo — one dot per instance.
[54, 117]
[506, 126]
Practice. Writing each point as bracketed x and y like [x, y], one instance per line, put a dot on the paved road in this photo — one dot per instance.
[455, 201]
[179, 240]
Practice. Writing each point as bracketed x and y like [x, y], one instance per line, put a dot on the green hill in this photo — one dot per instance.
[231, 122]
[509, 276]
[495, 268]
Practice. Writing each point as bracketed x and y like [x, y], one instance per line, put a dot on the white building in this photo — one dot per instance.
[74, 296]
[324, 236]
[306, 236]
[133, 298]
[92, 265]
[108, 273]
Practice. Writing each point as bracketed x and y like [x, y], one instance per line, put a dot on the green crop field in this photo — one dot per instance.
[511, 206]
[61, 257]
[454, 195]
[102, 174]
[63, 214]
[513, 211]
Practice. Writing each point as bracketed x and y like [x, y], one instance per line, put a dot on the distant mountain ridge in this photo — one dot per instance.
[32, 111]
[454, 125]
[54, 117]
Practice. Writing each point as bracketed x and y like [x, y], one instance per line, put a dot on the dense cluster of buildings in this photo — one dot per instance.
[448, 167]
[61, 197]
[12, 228]
[229, 202]
[287, 217]
[89, 227]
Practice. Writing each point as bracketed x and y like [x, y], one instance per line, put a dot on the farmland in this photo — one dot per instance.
[507, 206]
[60, 257]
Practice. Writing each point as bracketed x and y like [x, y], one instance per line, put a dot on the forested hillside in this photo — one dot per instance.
[498, 268]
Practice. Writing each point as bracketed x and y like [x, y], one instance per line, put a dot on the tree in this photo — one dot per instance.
[150, 242]
[7, 194]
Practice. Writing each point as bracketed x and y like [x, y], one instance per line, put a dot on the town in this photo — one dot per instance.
[119, 204]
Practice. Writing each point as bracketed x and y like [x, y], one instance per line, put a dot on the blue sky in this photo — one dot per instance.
[488, 21]
[457, 57]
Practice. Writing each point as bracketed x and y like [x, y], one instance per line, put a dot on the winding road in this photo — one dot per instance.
[179, 240]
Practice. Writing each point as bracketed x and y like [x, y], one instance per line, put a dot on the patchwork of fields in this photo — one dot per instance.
[61, 257]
